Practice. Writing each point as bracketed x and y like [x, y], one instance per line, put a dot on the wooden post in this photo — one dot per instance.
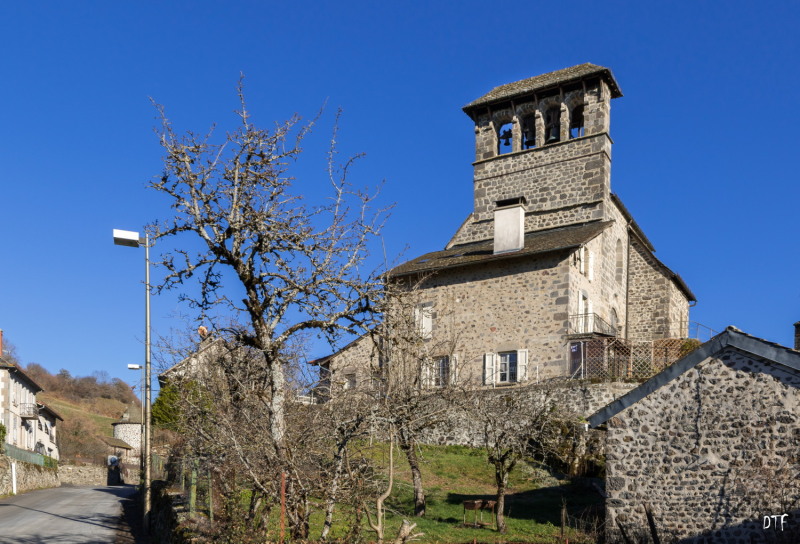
[210, 497]
[193, 489]
[283, 505]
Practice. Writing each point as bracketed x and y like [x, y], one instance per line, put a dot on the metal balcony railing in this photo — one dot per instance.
[28, 410]
[589, 324]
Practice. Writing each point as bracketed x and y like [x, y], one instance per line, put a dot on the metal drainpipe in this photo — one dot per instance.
[627, 282]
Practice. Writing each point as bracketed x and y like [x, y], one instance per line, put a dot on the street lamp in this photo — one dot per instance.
[141, 426]
[132, 239]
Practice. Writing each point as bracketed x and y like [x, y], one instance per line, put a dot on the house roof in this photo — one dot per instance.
[178, 368]
[731, 338]
[132, 415]
[11, 367]
[538, 242]
[637, 230]
[45, 408]
[547, 81]
[116, 442]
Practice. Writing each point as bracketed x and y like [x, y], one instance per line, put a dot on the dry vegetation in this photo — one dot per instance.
[88, 404]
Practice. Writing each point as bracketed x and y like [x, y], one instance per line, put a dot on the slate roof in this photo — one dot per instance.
[674, 276]
[45, 408]
[482, 252]
[116, 442]
[730, 338]
[545, 81]
[11, 367]
[133, 414]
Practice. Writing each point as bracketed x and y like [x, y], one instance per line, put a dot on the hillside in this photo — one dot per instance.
[88, 404]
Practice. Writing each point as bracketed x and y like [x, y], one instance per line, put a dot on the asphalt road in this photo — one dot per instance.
[63, 515]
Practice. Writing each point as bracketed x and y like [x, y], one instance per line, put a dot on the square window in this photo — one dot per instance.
[441, 371]
[508, 367]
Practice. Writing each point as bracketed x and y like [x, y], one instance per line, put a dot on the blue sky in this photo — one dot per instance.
[706, 137]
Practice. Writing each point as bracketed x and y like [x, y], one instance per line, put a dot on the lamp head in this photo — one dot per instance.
[126, 238]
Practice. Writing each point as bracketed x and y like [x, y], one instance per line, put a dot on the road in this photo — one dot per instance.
[63, 515]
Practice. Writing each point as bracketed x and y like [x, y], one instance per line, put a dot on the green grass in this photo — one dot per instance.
[69, 410]
[452, 474]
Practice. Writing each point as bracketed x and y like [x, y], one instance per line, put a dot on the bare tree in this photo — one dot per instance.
[416, 373]
[284, 268]
[518, 423]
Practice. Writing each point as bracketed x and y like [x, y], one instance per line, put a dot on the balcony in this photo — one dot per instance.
[589, 325]
[28, 410]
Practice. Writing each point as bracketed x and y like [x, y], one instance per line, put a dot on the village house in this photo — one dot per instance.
[549, 275]
[711, 445]
[30, 425]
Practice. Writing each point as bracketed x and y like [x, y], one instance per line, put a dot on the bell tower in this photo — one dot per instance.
[545, 141]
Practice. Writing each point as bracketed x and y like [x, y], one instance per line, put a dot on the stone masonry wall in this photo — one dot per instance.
[648, 296]
[713, 452]
[582, 398]
[29, 477]
[359, 359]
[130, 433]
[484, 309]
[488, 309]
[564, 183]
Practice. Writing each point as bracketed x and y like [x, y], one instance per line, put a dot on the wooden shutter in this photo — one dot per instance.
[427, 367]
[489, 375]
[522, 365]
[453, 369]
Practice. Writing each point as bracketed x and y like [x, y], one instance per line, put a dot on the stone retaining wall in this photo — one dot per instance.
[29, 476]
[583, 398]
[93, 475]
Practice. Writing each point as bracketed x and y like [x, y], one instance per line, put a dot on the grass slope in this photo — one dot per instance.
[453, 474]
[99, 424]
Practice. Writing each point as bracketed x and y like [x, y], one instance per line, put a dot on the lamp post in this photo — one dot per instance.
[132, 239]
[141, 426]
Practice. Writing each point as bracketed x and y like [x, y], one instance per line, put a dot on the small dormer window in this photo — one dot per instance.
[552, 125]
[529, 132]
[576, 128]
[505, 139]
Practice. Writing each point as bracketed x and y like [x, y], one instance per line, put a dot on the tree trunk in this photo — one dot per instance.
[332, 495]
[408, 445]
[501, 477]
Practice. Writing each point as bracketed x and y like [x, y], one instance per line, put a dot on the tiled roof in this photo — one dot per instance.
[544, 81]
[480, 252]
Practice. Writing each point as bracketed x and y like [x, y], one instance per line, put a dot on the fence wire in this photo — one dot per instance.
[611, 359]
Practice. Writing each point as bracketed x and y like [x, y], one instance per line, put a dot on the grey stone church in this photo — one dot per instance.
[549, 275]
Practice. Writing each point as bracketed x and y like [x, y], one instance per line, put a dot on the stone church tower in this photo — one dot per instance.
[565, 117]
[549, 275]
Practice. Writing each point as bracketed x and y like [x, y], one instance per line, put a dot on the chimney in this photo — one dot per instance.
[1, 343]
[796, 336]
[509, 225]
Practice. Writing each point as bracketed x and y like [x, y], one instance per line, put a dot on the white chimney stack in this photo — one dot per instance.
[509, 225]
